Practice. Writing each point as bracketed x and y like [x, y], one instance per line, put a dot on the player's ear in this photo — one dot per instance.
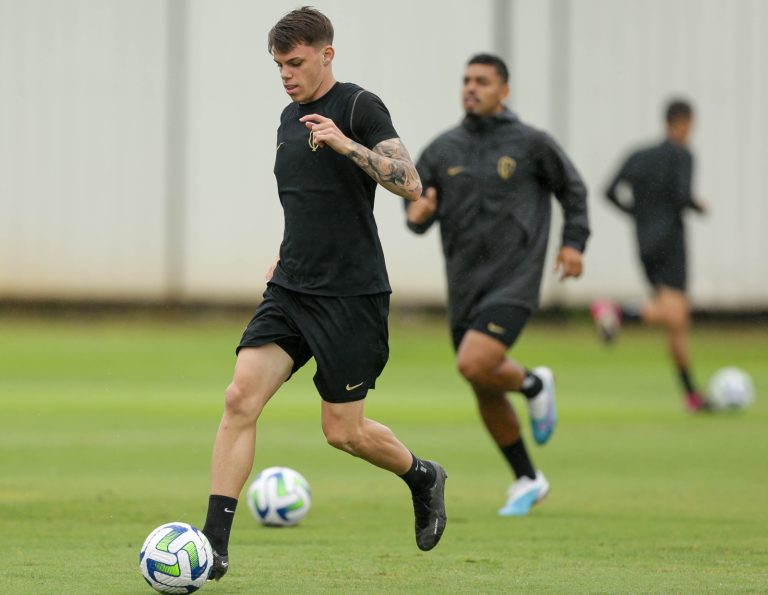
[504, 91]
[328, 53]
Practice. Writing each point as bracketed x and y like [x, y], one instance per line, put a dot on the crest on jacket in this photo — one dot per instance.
[506, 167]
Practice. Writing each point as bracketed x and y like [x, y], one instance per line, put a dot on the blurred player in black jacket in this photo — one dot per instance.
[654, 187]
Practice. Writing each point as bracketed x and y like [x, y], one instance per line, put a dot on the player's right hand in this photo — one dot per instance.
[420, 211]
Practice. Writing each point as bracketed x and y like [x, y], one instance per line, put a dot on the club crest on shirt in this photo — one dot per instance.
[312, 144]
[506, 167]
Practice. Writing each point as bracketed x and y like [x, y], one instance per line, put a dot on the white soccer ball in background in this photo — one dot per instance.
[731, 388]
[279, 497]
[176, 558]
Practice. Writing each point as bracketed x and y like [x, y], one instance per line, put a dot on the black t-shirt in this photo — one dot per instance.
[330, 241]
[660, 179]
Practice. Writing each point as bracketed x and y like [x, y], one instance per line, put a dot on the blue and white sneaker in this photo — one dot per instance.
[541, 408]
[524, 493]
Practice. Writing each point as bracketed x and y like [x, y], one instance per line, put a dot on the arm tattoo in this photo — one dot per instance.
[390, 165]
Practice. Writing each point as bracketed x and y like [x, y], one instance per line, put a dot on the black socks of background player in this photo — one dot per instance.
[517, 457]
[685, 380]
[532, 385]
[218, 523]
[632, 311]
[421, 475]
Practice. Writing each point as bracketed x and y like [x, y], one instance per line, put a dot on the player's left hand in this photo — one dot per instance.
[568, 263]
[325, 132]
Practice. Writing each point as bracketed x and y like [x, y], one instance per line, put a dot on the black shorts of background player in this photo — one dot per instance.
[653, 186]
[328, 293]
[489, 183]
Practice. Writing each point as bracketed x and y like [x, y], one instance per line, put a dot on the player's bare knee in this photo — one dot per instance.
[474, 369]
[678, 320]
[238, 402]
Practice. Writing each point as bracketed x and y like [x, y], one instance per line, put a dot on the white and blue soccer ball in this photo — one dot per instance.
[176, 558]
[279, 497]
[731, 388]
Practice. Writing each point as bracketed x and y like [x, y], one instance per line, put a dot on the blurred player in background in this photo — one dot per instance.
[488, 182]
[657, 181]
[328, 293]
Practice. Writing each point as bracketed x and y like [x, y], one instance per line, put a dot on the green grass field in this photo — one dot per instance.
[106, 429]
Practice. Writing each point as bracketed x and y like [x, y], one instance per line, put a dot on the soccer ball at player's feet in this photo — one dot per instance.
[731, 388]
[176, 558]
[607, 318]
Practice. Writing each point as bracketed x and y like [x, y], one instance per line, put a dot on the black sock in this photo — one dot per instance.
[518, 459]
[632, 311]
[532, 385]
[685, 379]
[420, 476]
[218, 523]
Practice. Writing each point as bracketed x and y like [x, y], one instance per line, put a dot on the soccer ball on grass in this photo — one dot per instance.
[279, 497]
[731, 388]
[176, 558]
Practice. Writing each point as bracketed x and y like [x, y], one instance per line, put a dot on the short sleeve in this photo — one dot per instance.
[369, 119]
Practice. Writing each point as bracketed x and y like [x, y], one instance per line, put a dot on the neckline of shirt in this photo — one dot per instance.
[314, 102]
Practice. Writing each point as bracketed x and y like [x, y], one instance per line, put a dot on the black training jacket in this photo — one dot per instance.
[494, 177]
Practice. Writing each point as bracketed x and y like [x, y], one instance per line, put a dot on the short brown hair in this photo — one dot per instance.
[305, 25]
[678, 109]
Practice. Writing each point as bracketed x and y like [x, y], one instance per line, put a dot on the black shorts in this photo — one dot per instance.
[347, 336]
[667, 267]
[501, 322]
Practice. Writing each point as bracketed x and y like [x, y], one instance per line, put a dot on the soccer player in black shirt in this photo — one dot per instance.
[488, 182]
[328, 293]
[654, 187]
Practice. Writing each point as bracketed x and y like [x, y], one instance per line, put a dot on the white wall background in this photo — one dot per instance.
[627, 58]
[82, 133]
[137, 138]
